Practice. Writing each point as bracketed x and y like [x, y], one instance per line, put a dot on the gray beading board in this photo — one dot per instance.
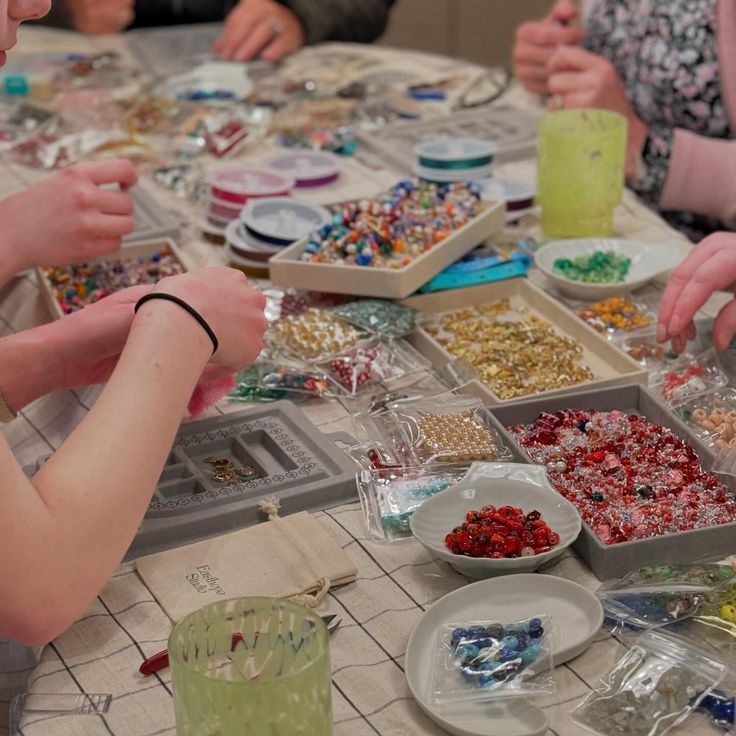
[295, 462]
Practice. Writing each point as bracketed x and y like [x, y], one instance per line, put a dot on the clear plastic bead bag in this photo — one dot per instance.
[689, 376]
[374, 365]
[658, 683]
[426, 432]
[480, 661]
[661, 595]
[390, 496]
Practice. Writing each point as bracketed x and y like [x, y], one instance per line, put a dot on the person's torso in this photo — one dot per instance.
[666, 52]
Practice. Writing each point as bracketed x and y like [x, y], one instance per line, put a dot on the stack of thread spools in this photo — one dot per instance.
[266, 226]
[229, 190]
[249, 210]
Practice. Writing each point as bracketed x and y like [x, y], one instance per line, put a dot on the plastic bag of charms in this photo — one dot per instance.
[375, 364]
[315, 335]
[379, 316]
[20, 121]
[479, 661]
[389, 496]
[657, 684]
[642, 345]
[663, 594]
[378, 398]
[618, 315]
[277, 379]
[689, 376]
[459, 429]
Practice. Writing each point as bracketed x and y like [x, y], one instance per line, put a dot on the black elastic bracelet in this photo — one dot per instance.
[184, 306]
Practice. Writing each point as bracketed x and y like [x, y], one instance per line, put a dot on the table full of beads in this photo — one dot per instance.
[396, 583]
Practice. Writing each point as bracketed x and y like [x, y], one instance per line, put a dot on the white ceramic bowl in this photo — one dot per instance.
[648, 260]
[577, 616]
[499, 484]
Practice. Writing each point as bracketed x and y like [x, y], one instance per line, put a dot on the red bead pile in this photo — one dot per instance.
[504, 532]
[629, 478]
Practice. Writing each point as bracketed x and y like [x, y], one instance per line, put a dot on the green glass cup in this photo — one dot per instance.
[251, 666]
[581, 166]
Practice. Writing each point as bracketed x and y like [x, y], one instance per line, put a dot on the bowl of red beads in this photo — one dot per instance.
[502, 518]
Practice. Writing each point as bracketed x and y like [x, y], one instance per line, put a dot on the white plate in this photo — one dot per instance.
[648, 260]
[577, 615]
[499, 484]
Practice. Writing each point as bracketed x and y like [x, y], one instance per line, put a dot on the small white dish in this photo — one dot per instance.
[497, 484]
[213, 76]
[648, 261]
[577, 617]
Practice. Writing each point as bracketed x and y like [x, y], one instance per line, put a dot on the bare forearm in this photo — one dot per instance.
[92, 494]
[27, 366]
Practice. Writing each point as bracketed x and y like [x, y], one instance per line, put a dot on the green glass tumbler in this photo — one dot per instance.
[256, 666]
[581, 160]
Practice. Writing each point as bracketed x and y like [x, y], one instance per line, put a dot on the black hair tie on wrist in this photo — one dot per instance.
[186, 307]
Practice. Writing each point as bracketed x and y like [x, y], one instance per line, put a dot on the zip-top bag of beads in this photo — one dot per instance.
[689, 376]
[389, 496]
[277, 379]
[618, 315]
[373, 365]
[653, 687]
[480, 661]
[378, 316]
[657, 596]
[712, 416]
[426, 432]
[315, 335]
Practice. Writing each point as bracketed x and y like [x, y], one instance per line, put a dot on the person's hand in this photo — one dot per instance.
[230, 306]
[101, 16]
[85, 346]
[262, 28]
[69, 217]
[537, 41]
[581, 79]
[710, 267]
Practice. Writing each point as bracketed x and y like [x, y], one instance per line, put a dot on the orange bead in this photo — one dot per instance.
[399, 245]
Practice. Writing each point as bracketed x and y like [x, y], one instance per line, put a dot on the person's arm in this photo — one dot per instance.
[69, 527]
[341, 20]
[701, 176]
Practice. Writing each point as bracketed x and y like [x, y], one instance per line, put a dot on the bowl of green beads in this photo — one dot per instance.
[596, 268]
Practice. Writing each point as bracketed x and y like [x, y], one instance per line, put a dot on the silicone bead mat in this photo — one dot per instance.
[293, 460]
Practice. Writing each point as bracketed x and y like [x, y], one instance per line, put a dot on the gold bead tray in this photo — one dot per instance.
[561, 354]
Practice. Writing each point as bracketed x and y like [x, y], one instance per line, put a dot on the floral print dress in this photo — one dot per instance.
[666, 53]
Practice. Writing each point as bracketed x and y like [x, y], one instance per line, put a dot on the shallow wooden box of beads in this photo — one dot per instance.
[509, 341]
[143, 249]
[287, 269]
[614, 560]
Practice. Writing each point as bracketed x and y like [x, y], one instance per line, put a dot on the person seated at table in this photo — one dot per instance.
[668, 66]
[68, 527]
[269, 29]
[709, 268]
